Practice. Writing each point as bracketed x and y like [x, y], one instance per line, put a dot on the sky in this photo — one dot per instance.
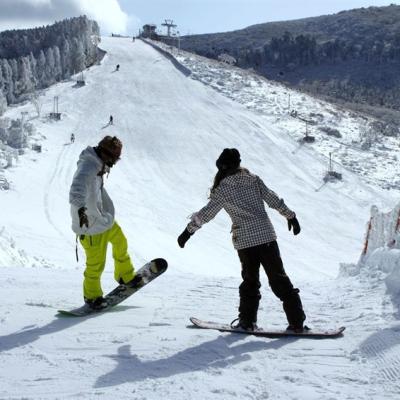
[190, 16]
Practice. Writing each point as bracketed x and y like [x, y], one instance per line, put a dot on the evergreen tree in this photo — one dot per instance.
[24, 82]
[50, 69]
[3, 102]
[41, 70]
[77, 56]
[57, 64]
[8, 84]
[66, 59]
[32, 65]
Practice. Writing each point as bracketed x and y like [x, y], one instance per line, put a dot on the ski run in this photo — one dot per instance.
[173, 127]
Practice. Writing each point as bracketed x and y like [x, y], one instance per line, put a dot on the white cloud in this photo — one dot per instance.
[134, 24]
[16, 14]
[107, 13]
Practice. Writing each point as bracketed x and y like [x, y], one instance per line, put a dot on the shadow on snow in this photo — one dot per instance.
[31, 334]
[217, 353]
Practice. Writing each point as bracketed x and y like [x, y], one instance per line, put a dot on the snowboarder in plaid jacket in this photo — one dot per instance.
[242, 195]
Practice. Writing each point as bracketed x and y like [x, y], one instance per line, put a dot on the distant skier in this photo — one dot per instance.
[111, 121]
[242, 195]
[133, 38]
[72, 138]
[117, 67]
[92, 212]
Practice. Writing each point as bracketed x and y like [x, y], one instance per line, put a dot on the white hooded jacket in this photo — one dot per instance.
[87, 191]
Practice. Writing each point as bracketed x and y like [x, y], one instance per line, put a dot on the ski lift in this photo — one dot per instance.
[81, 81]
[331, 175]
[307, 138]
[55, 114]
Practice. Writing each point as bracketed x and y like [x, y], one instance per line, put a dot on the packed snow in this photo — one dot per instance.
[173, 128]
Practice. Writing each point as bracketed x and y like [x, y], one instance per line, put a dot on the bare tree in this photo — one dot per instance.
[37, 102]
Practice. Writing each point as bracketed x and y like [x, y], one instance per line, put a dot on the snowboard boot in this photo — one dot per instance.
[294, 311]
[240, 323]
[97, 304]
[135, 282]
[298, 329]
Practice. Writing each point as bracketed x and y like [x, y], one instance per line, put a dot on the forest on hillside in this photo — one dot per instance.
[352, 56]
[33, 59]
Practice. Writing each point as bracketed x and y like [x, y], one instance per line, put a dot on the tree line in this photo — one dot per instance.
[32, 59]
[291, 51]
[354, 70]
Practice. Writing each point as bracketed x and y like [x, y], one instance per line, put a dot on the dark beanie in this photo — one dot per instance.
[229, 158]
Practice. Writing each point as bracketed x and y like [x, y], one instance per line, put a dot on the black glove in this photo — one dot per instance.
[184, 237]
[292, 222]
[83, 218]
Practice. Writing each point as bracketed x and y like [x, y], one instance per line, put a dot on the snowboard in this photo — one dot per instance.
[311, 333]
[149, 272]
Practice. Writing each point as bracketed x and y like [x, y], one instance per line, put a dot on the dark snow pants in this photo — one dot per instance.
[268, 255]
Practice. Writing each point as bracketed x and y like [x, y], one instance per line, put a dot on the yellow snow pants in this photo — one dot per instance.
[95, 247]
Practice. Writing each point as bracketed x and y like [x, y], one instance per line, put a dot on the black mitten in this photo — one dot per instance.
[292, 222]
[183, 238]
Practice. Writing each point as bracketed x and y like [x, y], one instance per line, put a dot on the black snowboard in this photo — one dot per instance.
[312, 333]
[149, 272]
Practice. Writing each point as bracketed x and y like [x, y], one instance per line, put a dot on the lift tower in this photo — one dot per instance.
[169, 23]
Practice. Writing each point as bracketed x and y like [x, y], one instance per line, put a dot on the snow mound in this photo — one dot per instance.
[12, 256]
[380, 258]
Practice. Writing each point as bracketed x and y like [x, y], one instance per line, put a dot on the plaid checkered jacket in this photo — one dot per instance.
[242, 196]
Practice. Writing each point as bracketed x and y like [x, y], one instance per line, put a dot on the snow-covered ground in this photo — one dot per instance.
[173, 128]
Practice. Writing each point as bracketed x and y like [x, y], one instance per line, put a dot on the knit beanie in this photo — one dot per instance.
[229, 159]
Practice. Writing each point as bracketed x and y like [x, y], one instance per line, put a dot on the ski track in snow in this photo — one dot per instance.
[143, 348]
[51, 188]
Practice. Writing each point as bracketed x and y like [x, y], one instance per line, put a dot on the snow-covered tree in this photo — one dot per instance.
[37, 102]
[50, 66]
[8, 84]
[41, 69]
[66, 59]
[2, 97]
[57, 64]
[32, 65]
[77, 56]
[25, 82]
[3, 102]
[14, 69]
[37, 58]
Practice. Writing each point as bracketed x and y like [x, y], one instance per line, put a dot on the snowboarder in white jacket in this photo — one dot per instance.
[242, 195]
[92, 212]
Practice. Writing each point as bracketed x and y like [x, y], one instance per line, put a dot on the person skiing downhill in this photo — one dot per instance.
[92, 213]
[242, 195]
[111, 120]
[72, 138]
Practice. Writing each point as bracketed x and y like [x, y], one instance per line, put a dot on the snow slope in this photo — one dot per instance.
[288, 110]
[173, 128]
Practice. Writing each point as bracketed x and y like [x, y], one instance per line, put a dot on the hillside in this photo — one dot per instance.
[352, 56]
[173, 128]
[34, 59]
